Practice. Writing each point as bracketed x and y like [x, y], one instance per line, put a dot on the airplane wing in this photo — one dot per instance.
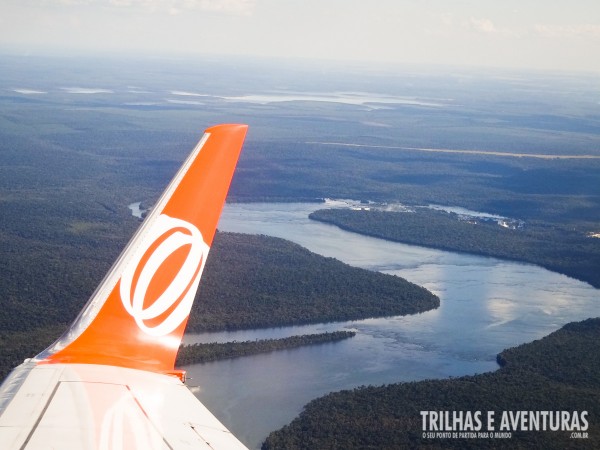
[109, 382]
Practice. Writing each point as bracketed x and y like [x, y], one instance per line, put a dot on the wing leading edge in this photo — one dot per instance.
[108, 382]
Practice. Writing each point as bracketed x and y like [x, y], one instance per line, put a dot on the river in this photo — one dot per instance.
[486, 305]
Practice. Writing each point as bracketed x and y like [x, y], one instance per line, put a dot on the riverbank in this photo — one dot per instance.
[568, 251]
[555, 375]
[486, 305]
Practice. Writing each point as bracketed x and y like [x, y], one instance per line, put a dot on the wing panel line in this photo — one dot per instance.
[41, 416]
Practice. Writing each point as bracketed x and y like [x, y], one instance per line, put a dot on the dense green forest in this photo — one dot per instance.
[249, 281]
[201, 353]
[258, 281]
[562, 249]
[556, 373]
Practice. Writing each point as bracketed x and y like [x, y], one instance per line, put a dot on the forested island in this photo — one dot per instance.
[201, 353]
[561, 249]
[556, 373]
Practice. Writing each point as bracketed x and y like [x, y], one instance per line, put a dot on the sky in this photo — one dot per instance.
[515, 34]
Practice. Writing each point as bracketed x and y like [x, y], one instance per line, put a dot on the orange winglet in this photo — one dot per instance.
[137, 316]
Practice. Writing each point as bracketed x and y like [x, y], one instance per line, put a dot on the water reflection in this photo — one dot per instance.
[486, 305]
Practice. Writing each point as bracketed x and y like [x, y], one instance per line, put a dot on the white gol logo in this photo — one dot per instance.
[183, 286]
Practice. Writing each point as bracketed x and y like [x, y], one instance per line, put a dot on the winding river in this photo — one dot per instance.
[486, 305]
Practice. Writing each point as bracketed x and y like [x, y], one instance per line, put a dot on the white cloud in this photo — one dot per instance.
[237, 7]
[233, 7]
[227, 6]
[488, 27]
[447, 19]
[568, 31]
[68, 2]
[482, 25]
